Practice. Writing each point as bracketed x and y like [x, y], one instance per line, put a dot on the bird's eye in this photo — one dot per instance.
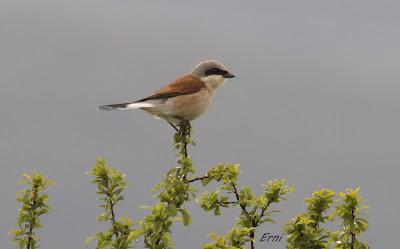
[215, 71]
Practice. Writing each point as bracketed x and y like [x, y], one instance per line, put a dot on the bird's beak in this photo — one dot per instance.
[228, 75]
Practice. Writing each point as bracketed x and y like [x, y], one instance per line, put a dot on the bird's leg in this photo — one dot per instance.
[173, 126]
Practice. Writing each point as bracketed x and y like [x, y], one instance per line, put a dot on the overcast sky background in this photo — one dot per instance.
[316, 101]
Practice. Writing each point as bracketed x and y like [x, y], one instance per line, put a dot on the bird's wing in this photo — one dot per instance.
[187, 84]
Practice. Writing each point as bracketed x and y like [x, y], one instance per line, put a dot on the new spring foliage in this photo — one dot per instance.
[33, 202]
[353, 224]
[254, 209]
[110, 185]
[173, 192]
[306, 231]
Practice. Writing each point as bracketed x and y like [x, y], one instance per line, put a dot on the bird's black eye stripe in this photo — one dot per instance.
[215, 71]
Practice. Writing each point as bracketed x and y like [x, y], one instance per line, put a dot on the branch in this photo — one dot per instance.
[353, 236]
[112, 212]
[229, 202]
[263, 211]
[31, 225]
[174, 191]
[242, 206]
[198, 179]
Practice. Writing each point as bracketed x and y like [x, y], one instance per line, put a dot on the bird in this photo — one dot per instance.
[184, 99]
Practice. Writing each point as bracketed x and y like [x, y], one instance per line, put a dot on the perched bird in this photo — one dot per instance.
[184, 99]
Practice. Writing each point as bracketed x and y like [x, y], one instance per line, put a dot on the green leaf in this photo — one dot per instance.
[185, 217]
[88, 240]
[172, 209]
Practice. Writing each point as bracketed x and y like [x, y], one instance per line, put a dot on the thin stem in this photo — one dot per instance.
[263, 211]
[242, 206]
[252, 235]
[229, 202]
[112, 212]
[28, 245]
[198, 179]
[186, 127]
[255, 223]
[183, 132]
[353, 236]
[31, 224]
[112, 216]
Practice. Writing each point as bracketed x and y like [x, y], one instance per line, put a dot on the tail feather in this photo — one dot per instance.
[125, 106]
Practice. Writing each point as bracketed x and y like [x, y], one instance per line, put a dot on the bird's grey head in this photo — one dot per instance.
[209, 68]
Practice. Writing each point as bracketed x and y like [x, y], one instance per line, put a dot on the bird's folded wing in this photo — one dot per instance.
[187, 84]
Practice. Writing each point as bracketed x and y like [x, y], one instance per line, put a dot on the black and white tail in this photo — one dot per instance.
[125, 106]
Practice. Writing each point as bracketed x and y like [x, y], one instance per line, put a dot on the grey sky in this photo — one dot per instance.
[316, 101]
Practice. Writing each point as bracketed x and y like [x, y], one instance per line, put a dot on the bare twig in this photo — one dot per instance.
[198, 179]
